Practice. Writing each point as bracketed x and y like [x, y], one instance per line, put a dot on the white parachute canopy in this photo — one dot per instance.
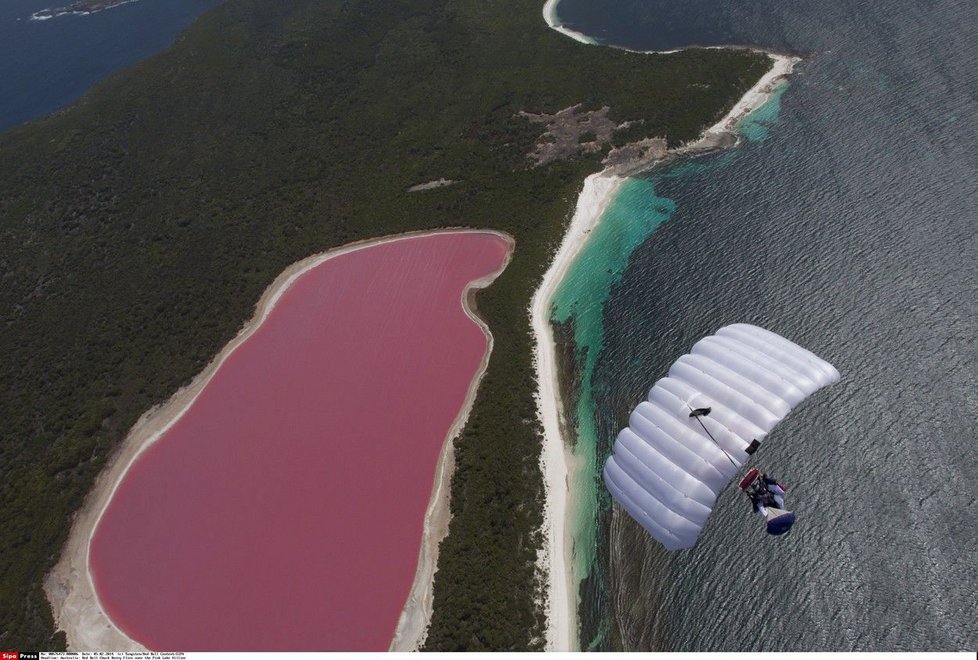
[665, 470]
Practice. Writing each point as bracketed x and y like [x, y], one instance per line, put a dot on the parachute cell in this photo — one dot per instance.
[666, 470]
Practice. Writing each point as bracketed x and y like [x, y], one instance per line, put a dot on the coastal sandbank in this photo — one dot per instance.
[597, 193]
[69, 586]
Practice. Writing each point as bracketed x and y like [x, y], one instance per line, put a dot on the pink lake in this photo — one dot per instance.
[284, 509]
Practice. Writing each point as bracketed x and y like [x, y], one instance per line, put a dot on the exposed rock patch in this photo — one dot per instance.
[571, 131]
[646, 150]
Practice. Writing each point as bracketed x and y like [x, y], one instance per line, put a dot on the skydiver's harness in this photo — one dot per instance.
[760, 495]
[756, 486]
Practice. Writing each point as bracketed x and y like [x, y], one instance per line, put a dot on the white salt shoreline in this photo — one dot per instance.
[598, 192]
[69, 587]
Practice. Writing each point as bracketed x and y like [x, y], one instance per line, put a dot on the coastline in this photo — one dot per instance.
[597, 193]
[69, 587]
[561, 606]
[550, 16]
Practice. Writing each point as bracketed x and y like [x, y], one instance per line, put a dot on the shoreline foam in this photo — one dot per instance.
[69, 587]
[597, 193]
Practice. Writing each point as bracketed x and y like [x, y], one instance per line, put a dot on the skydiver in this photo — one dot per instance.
[759, 497]
[765, 491]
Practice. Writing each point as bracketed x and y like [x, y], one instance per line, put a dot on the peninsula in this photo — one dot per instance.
[141, 225]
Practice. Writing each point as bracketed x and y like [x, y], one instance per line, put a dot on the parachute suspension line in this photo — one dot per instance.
[700, 412]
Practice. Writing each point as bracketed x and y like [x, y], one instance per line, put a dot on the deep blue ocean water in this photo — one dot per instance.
[45, 65]
[847, 220]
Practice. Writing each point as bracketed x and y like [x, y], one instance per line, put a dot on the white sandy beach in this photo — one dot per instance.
[69, 587]
[598, 192]
[550, 15]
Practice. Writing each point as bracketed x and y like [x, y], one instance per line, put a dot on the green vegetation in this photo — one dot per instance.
[138, 229]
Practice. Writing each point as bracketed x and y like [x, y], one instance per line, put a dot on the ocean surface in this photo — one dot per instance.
[46, 65]
[845, 220]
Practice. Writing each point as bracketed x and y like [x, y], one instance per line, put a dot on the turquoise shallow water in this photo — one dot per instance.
[632, 216]
[756, 126]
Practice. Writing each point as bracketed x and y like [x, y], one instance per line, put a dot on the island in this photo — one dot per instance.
[141, 226]
[81, 8]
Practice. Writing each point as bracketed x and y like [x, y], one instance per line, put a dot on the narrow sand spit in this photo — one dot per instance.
[561, 606]
[598, 192]
[69, 585]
